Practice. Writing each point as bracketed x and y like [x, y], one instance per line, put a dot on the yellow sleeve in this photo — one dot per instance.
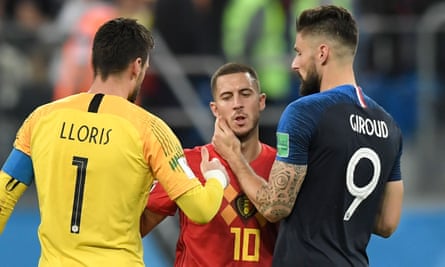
[10, 192]
[201, 203]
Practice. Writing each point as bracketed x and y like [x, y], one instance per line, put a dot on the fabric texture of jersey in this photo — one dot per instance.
[352, 148]
[237, 236]
[94, 162]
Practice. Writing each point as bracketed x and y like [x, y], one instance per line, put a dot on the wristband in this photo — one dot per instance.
[218, 175]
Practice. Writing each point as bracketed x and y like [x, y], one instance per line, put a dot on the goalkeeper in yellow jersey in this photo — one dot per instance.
[93, 157]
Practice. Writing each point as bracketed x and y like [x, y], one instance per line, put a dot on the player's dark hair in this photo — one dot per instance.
[117, 43]
[332, 21]
[231, 68]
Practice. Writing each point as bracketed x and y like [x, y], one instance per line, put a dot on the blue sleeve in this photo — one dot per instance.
[294, 132]
[19, 166]
[396, 174]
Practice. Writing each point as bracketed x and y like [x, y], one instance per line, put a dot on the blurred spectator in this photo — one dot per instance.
[28, 22]
[254, 32]
[15, 69]
[72, 72]
[142, 10]
[191, 28]
[69, 15]
[27, 25]
[387, 56]
[262, 33]
[24, 28]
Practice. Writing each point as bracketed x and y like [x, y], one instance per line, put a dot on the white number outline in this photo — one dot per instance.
[361, 193]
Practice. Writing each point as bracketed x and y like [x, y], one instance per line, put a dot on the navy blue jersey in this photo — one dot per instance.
[352, 148]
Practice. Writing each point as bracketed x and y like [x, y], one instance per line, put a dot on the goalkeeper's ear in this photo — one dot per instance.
[10, 192]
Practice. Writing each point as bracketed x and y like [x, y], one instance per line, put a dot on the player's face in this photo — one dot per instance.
[304, 65]
[239, 102]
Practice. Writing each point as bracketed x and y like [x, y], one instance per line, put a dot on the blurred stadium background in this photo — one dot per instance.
[44, 48]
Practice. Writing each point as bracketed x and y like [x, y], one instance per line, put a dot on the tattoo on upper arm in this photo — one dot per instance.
[278, 196]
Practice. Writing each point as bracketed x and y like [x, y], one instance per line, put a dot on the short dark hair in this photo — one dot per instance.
[231, 68]
[117, 43]
[332, 21]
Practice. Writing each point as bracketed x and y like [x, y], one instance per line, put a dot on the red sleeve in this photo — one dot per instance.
[159, 202]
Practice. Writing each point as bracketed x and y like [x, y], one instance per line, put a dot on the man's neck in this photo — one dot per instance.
[112, 86]
[336, 76]
[251, 149]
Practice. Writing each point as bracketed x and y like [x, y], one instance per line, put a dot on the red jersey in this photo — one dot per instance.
[237, 236]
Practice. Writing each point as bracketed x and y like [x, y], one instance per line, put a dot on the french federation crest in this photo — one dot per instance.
[244, 207]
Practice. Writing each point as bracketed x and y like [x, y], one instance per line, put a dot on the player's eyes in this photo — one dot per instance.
[225, 97]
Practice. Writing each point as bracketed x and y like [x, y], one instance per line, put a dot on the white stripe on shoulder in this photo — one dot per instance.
[360, 97]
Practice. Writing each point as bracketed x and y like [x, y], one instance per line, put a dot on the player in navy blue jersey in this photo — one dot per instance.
[336, 178]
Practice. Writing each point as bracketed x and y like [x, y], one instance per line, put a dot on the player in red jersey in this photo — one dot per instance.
[337, 176]
[238, 235]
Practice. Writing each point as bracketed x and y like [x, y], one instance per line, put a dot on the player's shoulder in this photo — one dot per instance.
[196, 150]
[194, 153]
[47, 108]
[190, 151]
[80, 101]
[142, 117]
[305, 108]
[372, 104]
[315, 100]
[268, 149]
[268, 153]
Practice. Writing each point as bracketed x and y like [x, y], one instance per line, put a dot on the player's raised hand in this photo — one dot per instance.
[224, 140]
[213, 168]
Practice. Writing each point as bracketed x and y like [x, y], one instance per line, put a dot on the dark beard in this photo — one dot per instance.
[311, 85]
[245, 136]
[133, 95]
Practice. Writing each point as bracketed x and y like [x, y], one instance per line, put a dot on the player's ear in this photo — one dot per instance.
[262, 101]
[136, 67]
[214, 108]
[323, 53]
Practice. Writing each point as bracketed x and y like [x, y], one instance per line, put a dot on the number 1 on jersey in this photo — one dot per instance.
[81, 164]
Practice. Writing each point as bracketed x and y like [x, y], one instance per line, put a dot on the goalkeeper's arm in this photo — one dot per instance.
[15, 177]
[10, 192]
[201, 203]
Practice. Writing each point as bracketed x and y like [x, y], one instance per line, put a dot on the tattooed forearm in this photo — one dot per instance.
[276, 199]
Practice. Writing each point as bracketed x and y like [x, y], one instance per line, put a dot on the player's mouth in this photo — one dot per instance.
[240, 119]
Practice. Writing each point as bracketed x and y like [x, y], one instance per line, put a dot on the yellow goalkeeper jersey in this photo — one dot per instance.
[95, 158]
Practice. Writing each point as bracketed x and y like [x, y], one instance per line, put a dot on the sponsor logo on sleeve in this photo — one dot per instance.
[183, 163]
[283, 144]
